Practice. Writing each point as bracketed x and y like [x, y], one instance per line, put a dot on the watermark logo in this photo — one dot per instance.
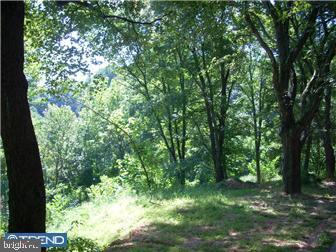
[10, 237]
[47, 239]
[14, 245]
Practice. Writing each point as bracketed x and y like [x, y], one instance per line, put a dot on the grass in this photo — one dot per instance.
[207, 219]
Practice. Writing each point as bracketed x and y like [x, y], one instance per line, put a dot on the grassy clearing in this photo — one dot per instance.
[207, 219]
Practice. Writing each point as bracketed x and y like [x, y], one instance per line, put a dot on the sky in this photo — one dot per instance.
[93, 68]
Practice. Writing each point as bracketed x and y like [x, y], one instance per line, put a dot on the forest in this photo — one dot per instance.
[170, 125]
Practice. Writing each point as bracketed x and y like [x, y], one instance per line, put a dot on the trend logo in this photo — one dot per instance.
[47, 239]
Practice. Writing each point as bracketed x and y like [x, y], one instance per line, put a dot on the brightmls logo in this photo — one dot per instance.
[47, 239]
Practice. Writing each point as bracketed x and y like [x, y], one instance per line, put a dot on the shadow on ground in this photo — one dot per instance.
[247, 220]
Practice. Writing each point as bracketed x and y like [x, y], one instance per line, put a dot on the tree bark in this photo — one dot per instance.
[27, 210]
[305, 168]
[291, 151]
[259, 130]
[326, 137]
[257, 156]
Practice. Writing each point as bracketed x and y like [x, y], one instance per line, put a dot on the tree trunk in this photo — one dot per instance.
[216, 148]
[257, 153]
[224, 166]
[25, 177]
[326, 137]
[305, 168]
[181, 175]
[291, 152]
[218, 162]
[330, 157]
[216, 140]
[257, 139]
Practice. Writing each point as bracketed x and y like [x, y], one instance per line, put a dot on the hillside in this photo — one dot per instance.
[206, 219]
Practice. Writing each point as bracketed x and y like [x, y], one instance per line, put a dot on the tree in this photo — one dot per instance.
[192, 103]
[161, 82]
[285, 79]
[210, 61]
[27, 211]
[58, 139]
[256, 95]
[326, 136]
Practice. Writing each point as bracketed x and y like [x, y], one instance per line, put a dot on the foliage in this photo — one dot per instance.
[151, 98]
[150, 118]
[106, 189]
[79, 244]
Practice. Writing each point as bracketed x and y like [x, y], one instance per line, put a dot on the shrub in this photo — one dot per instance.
[79, 244]
[103, 190]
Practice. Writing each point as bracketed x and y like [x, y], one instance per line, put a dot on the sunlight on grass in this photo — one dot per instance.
[194, 218]
[106, 221]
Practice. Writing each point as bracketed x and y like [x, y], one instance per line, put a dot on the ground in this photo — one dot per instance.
[214, 219]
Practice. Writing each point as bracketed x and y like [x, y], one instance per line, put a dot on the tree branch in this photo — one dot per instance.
[261, 40]
[309, 30]
[133, 21]
[105, 16]
[314, 106]
[272, 10]
[263, 28]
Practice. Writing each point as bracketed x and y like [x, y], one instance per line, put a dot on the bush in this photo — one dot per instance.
[61, 198]
[107, 188]
[79, 244]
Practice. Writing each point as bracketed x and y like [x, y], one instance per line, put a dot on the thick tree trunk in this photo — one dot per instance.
[291, 152]
[326, 137]
[25, 176]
